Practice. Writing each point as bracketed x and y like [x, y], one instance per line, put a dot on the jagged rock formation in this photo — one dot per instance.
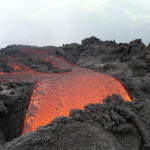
[14, 100]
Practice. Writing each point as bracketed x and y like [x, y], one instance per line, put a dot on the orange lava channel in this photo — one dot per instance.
[57, 96]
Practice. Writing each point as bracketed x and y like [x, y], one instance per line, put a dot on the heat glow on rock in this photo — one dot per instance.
[56, 94]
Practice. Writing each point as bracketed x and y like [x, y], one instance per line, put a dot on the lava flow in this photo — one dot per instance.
[55, 94]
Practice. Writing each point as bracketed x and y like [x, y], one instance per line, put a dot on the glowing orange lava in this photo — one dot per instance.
[55, 94]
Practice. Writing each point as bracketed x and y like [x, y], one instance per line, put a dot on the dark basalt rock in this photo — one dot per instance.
[40, 66]
[16, 51]
[115, 124]
[14, 100]
[145, 85]
[5, 68]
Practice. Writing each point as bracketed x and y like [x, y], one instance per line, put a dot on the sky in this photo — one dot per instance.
[57, 22]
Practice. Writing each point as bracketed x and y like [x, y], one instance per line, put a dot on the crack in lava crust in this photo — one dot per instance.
[55, 94]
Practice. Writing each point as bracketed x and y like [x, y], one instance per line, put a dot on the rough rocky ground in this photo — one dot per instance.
[113, 125]
[14, 100]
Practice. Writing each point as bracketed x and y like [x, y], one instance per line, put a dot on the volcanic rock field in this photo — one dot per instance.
[89, 96]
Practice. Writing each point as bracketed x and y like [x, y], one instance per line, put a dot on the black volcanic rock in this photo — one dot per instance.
[3, 109]
[23, 57]
[4, 67]
[14, 100]
[115, 124]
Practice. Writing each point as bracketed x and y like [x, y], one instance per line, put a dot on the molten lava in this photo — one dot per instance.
[55, 94]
